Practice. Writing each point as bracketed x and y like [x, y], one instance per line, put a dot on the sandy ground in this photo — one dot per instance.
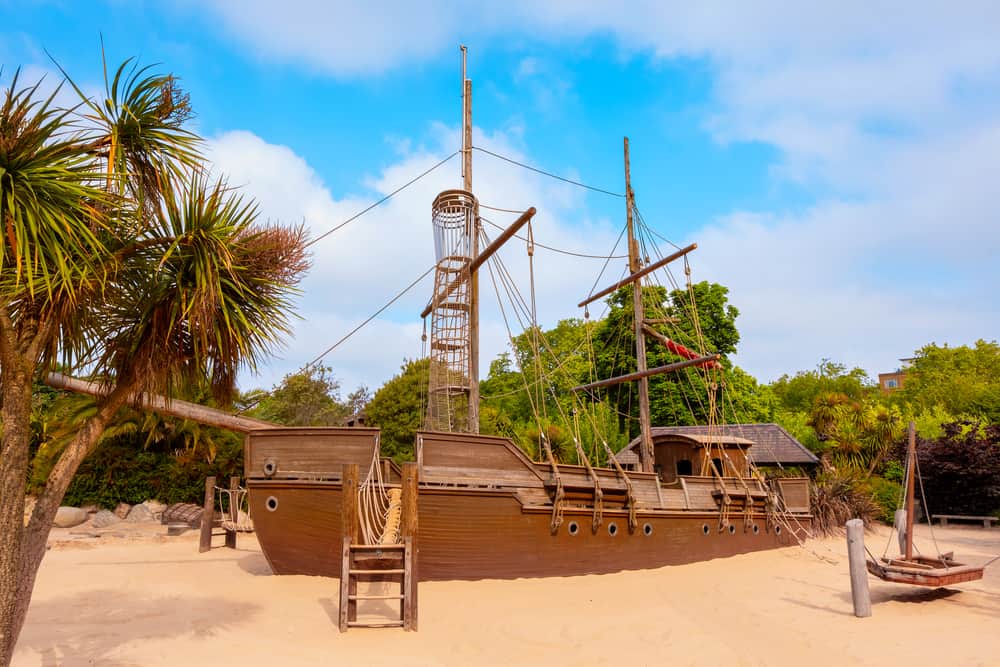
[136, 597]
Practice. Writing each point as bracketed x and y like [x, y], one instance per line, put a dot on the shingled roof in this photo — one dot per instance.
[772, 445]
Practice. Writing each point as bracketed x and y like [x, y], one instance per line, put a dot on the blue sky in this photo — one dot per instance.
[837, 166]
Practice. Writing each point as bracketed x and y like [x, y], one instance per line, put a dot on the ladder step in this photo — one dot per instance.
[374, 624]
[393, 571]
[378, 547]
[375, 597]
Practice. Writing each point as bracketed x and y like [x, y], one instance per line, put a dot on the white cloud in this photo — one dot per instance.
[886, 111]
[360, 267]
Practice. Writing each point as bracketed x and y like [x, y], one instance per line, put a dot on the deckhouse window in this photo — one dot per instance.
[684, 467]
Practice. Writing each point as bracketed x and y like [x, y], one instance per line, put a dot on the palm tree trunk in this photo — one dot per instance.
[24, 546]
[14, 420]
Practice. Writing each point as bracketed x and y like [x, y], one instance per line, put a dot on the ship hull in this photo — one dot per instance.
[488, 534]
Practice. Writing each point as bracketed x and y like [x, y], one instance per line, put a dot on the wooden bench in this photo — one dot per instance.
[943, 519]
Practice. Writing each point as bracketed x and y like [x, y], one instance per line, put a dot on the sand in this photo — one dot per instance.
[136, 597]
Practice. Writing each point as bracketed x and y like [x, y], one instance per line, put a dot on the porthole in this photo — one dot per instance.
[777, 530]
[272, 503]
[705, 529]
[756, 529]
[270, 467]
[647, 529]
[612, 529]
[573, 528]
[732, 529]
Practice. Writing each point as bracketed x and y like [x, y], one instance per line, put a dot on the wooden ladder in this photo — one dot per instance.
[377, 563]
[395, 563]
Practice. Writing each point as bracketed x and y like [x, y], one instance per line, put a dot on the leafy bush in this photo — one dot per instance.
[961, 470]
[886, 494]
[120, 472]
[838, 496]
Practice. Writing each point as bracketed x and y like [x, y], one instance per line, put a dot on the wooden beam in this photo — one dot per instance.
[676, 348]
[486, 254]
[349, 502]
[659, 370]
[168, 406]
[636, 275]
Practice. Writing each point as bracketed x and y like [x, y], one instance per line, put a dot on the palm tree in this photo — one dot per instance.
[119, 255]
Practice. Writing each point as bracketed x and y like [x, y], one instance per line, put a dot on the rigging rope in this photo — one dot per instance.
[370, 318]
[380, 201]
[546, 173]
[548, 247]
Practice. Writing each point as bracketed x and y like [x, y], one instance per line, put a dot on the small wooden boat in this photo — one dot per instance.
[920, 570]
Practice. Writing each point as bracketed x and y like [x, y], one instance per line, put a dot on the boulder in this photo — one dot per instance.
[67, 517]
[138, 514]
[90, 509]
[122, 510]
[104, 518]
[156, 508]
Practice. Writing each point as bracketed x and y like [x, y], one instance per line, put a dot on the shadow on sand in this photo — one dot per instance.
[66, 631]
[255, 564]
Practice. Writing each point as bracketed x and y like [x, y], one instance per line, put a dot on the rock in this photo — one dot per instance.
[156, 508]
[91, 509]
[104, 518]
[138, 514]
[67, 517]
[122, 510]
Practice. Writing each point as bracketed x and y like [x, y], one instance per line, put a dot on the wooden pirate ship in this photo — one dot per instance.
[483, 507]
[325, 502]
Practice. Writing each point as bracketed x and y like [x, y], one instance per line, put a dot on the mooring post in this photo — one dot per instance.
[207, 516]
[860, 594]
[409, 533]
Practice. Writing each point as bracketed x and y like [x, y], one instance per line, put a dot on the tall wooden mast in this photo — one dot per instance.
[639, 315]
[911, 460]
[474, 234]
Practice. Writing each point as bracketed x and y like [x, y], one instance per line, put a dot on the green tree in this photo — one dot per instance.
[961, 380]
[701, 320]
[310, 397]
[397, 409]
[798, 392]
[120, 256]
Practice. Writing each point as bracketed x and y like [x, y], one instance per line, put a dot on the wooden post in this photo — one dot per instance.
[207, 516]
[860, 594]
[349, 529]
[899, 523]
[911, 458]
[234, 510]
[408, 529]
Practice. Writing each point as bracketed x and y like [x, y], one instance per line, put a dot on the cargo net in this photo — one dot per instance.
[454, 216]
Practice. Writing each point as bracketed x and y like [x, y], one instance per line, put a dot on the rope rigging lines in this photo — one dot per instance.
[547, 173]
[380, 201]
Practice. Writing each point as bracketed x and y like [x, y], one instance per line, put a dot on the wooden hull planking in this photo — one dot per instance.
[471, 533]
